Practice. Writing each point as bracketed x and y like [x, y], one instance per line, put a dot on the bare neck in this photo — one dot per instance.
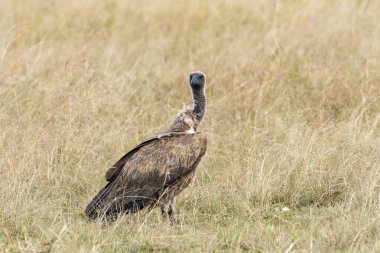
[199, 99]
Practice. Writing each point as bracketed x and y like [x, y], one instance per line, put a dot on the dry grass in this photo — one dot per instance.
[292, 121]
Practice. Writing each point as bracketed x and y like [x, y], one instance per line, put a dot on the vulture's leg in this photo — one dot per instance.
[171, 210]
[167, 209]
[164, 211]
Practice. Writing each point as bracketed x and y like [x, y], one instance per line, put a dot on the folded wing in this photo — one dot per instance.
[148, 172]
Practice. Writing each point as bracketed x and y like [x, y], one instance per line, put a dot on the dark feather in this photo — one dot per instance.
[157, 167]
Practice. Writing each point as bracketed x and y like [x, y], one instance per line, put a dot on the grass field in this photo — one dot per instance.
[293, 121]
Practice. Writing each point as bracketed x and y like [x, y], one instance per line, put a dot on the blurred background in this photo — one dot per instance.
[292, 121]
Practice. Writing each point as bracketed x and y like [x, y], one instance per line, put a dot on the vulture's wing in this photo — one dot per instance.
[146, 171]
[112, 172]
[119, 165]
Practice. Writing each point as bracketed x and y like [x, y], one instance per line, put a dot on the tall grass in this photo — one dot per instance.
[292, 121]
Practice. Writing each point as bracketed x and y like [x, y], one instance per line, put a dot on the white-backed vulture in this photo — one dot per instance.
[156, 171]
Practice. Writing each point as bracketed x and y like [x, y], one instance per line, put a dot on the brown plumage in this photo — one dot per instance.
[157, 170]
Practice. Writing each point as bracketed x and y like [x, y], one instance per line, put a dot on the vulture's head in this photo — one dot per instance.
[197, 80]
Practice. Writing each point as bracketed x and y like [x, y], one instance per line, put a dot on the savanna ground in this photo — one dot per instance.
[292, 121]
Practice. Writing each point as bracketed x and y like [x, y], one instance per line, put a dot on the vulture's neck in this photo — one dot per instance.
[199, 99]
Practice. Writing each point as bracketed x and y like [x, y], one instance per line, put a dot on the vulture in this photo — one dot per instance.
[153, 173]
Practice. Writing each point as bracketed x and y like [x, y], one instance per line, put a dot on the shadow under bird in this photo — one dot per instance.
[156, 171]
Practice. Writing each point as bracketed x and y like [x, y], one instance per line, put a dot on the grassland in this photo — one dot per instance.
[293, 121]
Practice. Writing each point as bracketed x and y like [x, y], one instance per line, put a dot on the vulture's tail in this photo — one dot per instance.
[93, 210]
[107, 205]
